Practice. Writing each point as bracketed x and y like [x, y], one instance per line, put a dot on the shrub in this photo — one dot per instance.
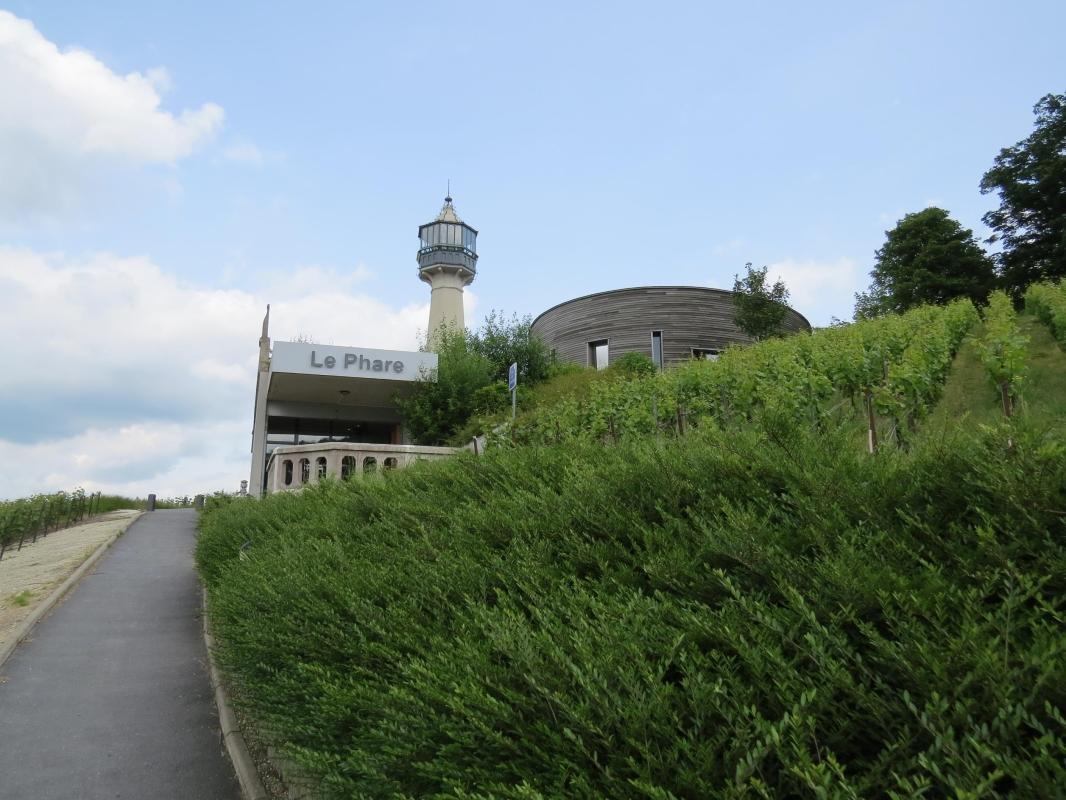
[752, 613]
[634, 365]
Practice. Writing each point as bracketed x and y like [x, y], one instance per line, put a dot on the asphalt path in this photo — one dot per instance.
[109, 697]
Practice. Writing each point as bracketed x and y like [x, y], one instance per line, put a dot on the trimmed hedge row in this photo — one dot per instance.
[727, 615]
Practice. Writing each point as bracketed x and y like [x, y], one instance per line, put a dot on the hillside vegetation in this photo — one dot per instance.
[694, 585]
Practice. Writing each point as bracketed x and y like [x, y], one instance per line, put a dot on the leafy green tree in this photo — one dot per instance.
[436, 409]
[758, 309]
[508, 341]
[1030, 178]
[927, 258]
[472, 376]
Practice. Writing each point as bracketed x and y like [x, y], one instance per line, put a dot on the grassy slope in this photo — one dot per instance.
[969, 398]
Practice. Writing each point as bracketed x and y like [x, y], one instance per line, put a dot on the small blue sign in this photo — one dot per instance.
[512, 377]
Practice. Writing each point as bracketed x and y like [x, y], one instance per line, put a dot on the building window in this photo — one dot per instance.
[320, 467]
[370, 464]
[657, 348]
[599, 356]
[705, 354]
[288, 471]
[305, 470]
[390, 463]
[347, 467]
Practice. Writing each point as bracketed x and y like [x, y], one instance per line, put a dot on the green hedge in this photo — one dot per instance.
[724, 615]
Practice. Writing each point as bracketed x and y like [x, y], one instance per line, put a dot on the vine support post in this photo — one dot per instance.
[37, 527]
[1007, 400]
[871, 431]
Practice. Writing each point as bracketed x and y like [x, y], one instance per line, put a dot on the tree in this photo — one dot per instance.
[509, 341]
[927, 258]
[1031, 180]
[758, 310]
[472, 376]
[437, 408]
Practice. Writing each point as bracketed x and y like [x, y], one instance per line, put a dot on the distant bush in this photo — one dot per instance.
[751, 613]
[1048, 302]
[634, 365]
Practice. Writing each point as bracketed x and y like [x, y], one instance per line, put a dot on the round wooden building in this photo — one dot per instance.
[667, 323]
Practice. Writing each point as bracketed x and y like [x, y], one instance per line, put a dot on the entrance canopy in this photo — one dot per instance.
[318, 393]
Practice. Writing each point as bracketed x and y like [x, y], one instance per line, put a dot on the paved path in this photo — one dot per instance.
[110, 696]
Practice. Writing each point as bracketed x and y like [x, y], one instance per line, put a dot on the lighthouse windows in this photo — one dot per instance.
[448, 234]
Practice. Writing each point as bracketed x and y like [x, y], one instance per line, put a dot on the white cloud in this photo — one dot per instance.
[315, 279]
[250, 154]
[168, 459]
[109, 355]
[820, 289]
[63, 110]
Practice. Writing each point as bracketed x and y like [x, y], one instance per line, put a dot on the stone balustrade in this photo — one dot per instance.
[292, 467]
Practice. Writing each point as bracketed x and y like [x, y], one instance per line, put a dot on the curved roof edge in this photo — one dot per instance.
[636, 288]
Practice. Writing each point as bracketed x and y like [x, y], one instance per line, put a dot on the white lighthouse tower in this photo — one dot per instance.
[447, 261]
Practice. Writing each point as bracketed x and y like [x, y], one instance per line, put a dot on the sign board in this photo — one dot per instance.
[512, 377]
[304, 358]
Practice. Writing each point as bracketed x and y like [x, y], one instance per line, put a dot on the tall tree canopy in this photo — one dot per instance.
[927, 258]
[1031, 219]
[758, 309]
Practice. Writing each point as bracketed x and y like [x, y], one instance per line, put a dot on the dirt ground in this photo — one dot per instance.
[29, 575]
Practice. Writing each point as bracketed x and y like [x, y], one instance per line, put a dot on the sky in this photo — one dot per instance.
[167, 169]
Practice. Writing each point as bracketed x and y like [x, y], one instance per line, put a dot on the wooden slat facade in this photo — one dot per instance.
[688, 316]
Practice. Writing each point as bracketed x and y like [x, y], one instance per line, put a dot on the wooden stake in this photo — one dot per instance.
[871, 433]
[1008, 401]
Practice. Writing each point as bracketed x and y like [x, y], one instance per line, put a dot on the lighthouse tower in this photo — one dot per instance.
[447, 261]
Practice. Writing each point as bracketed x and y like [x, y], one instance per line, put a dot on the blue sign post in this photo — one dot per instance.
[512, 384]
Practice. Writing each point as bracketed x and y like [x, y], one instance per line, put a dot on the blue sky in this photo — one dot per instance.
[293, 152]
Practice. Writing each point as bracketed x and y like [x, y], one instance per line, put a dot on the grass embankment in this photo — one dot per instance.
[746, 604]
[970, 399]
[728, 614]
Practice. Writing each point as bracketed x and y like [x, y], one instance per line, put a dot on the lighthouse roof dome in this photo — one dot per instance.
[447, 212]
